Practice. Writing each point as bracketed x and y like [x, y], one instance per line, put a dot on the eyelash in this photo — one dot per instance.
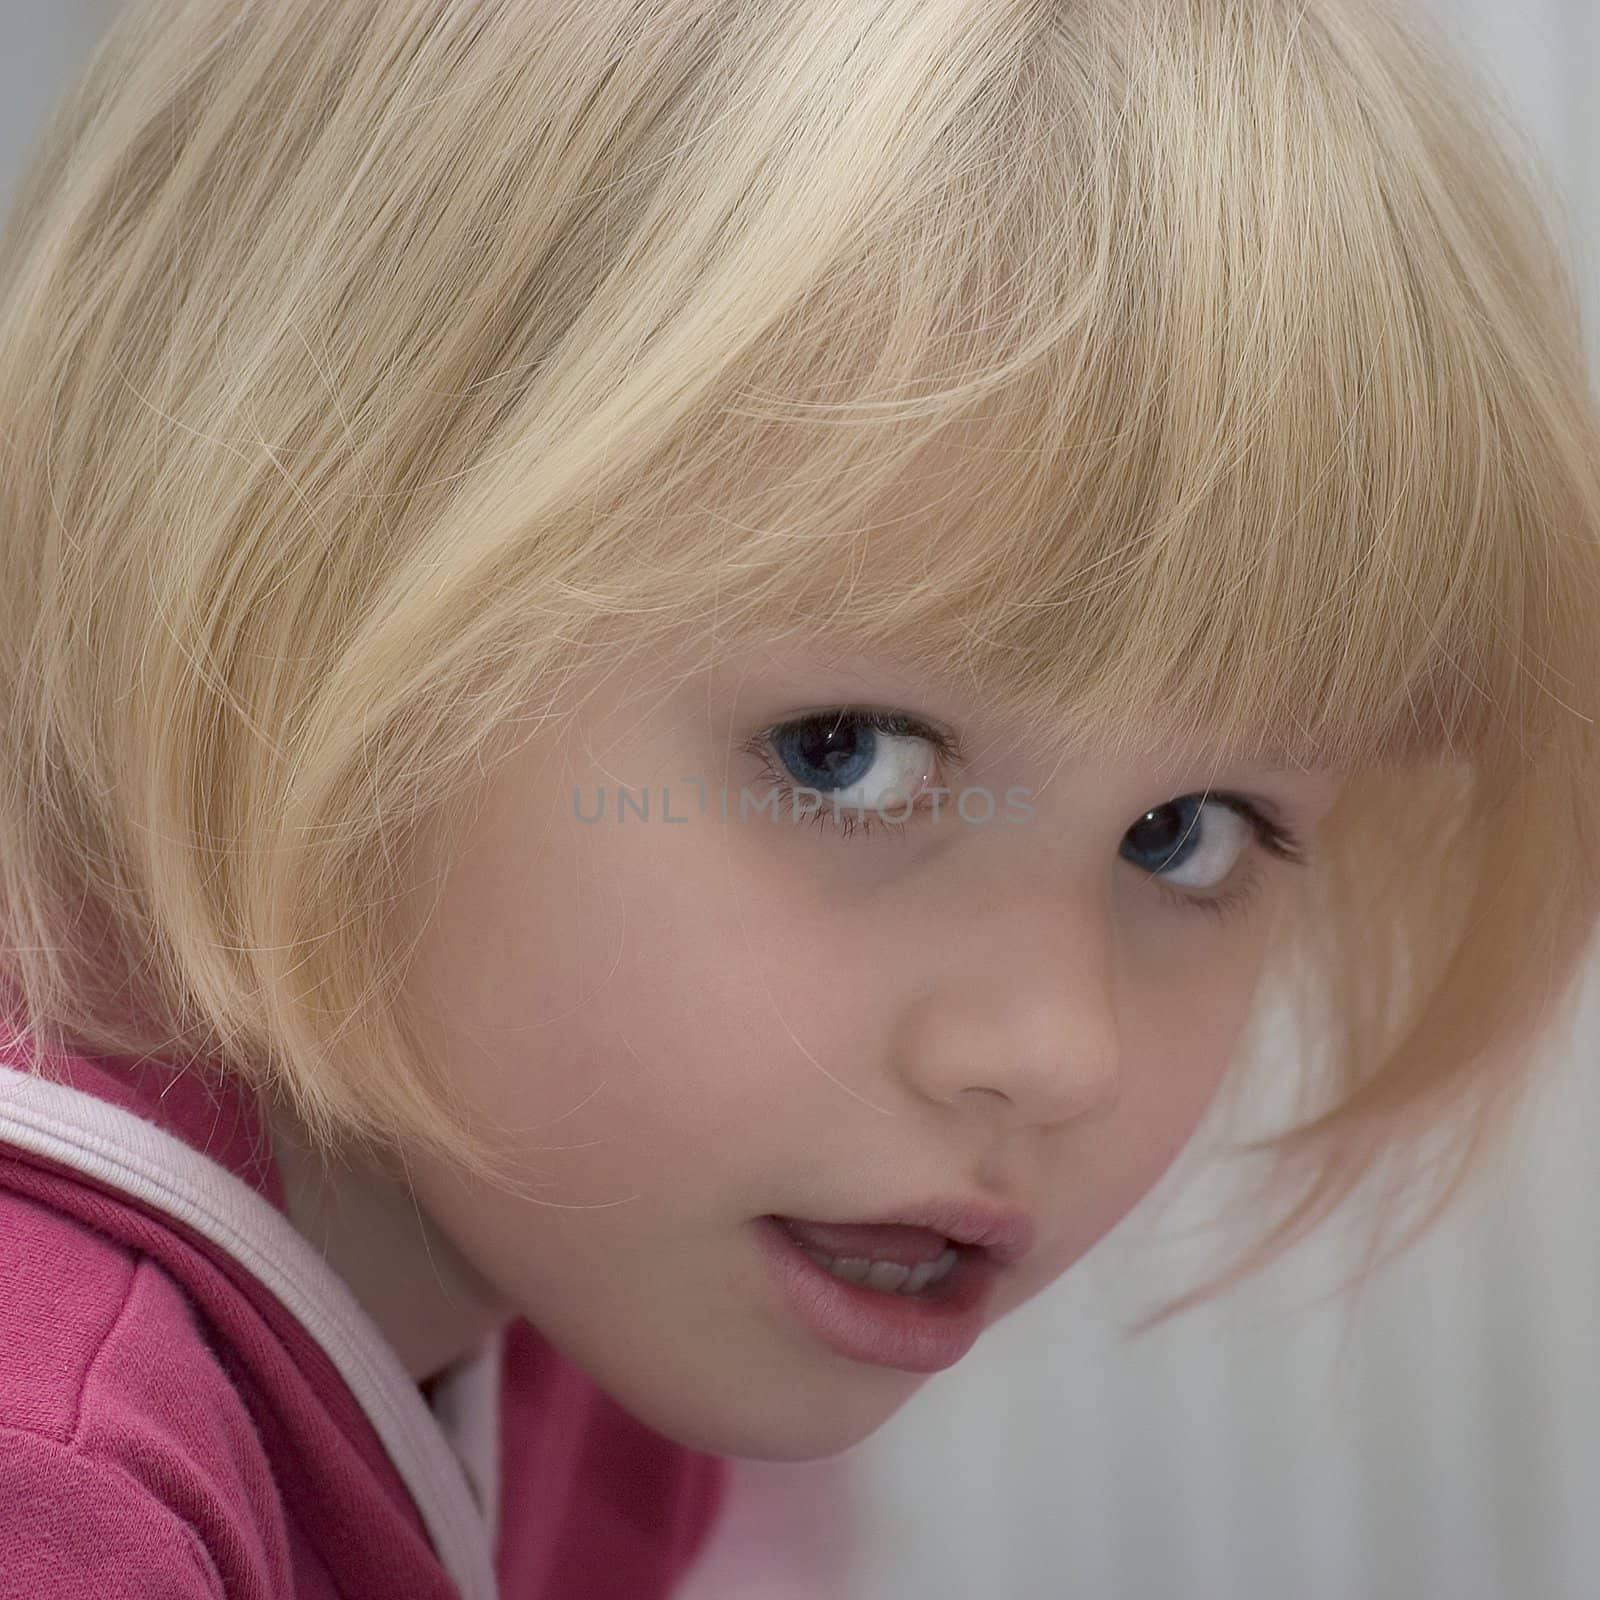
[1273, 837]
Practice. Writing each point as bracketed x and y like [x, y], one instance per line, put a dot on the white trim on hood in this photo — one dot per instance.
[125, 1152]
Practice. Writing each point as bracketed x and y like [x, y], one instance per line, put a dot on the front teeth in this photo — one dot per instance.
[889, 1276]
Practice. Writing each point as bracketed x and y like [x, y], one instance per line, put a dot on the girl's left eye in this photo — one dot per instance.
[1177, 845]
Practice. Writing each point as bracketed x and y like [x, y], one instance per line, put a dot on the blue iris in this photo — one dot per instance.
[826, 755]
[1166, 837]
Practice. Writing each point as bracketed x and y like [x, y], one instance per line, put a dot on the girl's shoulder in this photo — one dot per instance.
[81, 1312]
[119, 1429]
[174, 1324]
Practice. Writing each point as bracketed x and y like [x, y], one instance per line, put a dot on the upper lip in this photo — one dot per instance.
[1005, 1233]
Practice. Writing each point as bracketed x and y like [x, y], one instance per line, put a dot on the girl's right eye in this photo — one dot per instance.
[864, 766]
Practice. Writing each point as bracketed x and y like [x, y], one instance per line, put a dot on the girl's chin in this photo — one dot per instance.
[812, 1405]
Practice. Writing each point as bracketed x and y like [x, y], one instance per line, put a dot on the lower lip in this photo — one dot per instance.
[885, 1330]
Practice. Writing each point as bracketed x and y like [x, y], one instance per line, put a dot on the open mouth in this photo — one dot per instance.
[924, 1331]
[932, 1280]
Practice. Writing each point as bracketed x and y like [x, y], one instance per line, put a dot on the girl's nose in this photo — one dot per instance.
[1033, 1041]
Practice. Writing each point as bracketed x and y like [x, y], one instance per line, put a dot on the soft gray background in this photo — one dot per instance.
[41, 44]
[1449, 1449]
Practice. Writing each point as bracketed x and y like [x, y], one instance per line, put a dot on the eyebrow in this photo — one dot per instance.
[1277, 764]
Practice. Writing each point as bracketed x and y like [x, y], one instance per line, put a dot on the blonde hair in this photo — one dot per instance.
[372, 369]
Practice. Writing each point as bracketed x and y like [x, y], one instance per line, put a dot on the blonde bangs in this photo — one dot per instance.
[1202, 400]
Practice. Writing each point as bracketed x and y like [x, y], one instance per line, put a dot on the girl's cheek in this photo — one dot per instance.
[1183, 1027]
[1103, 1184]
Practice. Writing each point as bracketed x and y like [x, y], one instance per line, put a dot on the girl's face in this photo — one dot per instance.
[682, 1024]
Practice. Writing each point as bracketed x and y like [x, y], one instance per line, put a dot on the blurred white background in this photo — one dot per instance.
[1439, 1439]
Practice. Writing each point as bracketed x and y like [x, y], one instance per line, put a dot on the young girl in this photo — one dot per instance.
[673, 674]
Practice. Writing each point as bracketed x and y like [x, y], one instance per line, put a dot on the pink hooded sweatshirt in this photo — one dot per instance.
[194, 1406]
